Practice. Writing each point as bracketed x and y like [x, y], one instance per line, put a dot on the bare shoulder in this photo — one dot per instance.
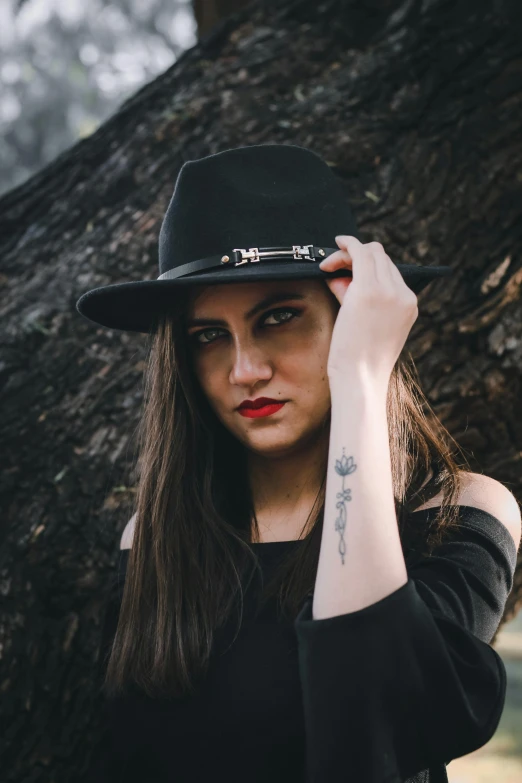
[489, 495]
[494, 497]
[128, 534]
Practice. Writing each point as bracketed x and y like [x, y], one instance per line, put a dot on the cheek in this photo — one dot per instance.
[204, 376]
[212, 379]
[304, 367]
[314, 344]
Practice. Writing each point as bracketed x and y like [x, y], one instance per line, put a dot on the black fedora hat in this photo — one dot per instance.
[259, 212]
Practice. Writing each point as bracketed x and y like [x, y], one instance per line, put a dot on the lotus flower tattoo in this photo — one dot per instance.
[343, 467]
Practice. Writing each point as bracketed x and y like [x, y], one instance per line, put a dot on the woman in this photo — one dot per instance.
[285, 453]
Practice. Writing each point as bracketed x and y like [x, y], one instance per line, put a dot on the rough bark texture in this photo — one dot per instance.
[418, 104]
[208, 13]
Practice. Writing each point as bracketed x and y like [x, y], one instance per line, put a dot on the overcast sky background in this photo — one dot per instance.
[66, 66]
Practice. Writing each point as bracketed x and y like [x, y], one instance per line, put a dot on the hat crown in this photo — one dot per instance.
[247, 214]
[261, 195]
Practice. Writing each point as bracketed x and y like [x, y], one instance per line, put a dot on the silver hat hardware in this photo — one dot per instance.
[254, 253]
[240, 256]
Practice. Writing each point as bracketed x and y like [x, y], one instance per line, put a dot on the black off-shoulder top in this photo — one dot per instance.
[388, 694]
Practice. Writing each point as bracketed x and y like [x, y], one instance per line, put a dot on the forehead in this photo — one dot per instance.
[244, 294]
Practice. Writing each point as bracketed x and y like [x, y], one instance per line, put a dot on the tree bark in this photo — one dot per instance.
[208, 13]
[417, 105]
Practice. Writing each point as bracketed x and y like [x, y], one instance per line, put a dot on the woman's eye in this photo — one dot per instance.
[196, 336]
[281, 312]
[278, 322]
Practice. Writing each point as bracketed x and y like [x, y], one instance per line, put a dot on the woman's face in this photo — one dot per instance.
[264, 339]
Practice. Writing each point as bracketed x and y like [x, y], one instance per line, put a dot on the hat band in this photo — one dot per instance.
[240, 256]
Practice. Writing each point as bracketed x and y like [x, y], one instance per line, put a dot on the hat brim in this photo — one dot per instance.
[132, 307]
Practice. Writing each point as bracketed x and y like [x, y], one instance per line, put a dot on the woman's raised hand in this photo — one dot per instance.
[378, 310]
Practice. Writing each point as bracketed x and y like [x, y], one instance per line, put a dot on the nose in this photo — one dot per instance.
[249, 365]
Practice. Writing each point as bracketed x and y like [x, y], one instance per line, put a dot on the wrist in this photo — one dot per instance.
[359, 383]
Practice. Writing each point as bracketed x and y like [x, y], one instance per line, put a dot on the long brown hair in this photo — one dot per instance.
[194, 518]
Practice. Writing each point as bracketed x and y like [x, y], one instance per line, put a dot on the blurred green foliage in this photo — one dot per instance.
[66, 66]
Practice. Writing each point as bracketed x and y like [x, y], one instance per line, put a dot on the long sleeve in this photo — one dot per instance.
[411, 681]
[103, 765]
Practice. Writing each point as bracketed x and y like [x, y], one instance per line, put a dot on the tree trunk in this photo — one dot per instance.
[418, 106]
[209, 12]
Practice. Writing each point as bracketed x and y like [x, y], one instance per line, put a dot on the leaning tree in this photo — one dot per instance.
[417, 105]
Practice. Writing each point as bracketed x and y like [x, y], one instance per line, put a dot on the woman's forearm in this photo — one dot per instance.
[361, 560]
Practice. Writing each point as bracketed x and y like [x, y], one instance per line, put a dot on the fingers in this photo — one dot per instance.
[335, 260]
[388, 273]
[363, 263]
[338, 260]
[369, 262]
[384, 267]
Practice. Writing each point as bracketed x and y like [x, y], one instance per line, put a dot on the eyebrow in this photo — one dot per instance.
[279, 296]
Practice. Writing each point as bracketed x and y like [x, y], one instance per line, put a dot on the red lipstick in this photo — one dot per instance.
[259, 402]
[264, 410]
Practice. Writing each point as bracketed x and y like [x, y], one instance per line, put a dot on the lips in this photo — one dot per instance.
[262, 412]
[260, 403]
